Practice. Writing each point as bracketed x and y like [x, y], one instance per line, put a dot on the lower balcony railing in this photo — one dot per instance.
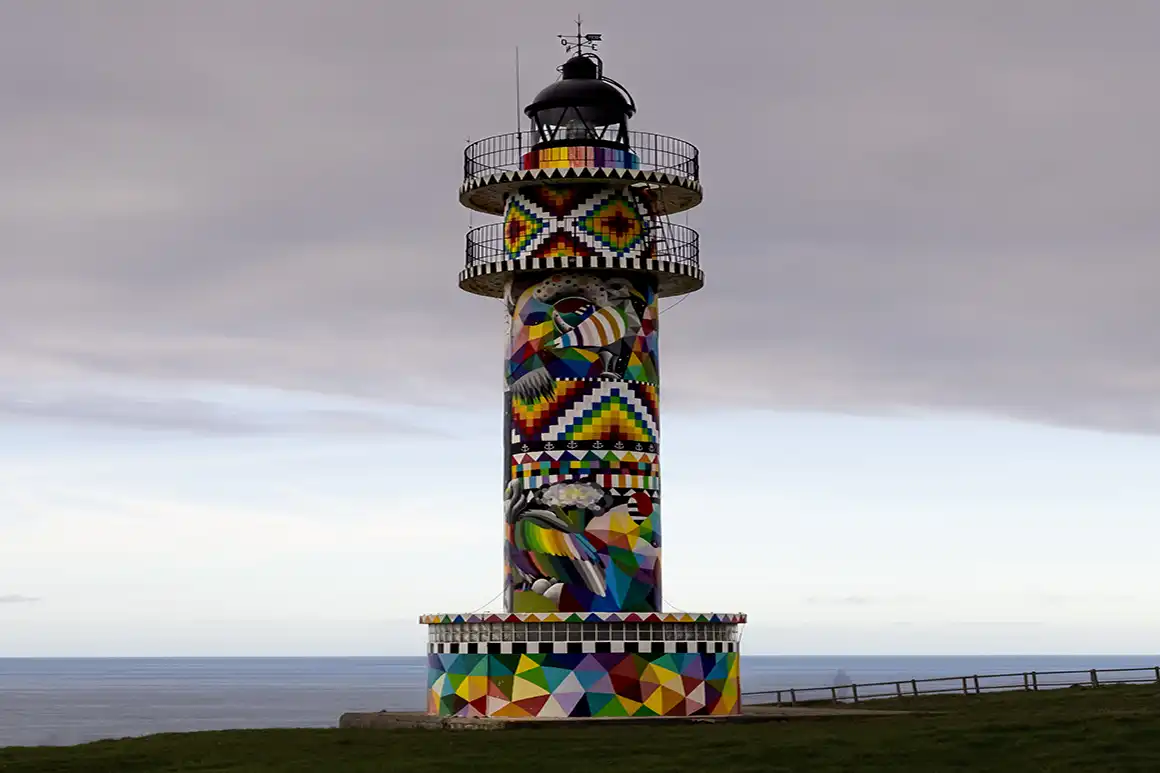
[610, 237]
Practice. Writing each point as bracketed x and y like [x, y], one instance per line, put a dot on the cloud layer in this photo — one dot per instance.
[908, 207]
[16, 598]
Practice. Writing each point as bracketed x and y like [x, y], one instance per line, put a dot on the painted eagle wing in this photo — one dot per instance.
[562, 555]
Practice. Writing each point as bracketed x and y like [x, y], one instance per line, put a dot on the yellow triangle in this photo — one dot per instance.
[726, 705]
[476, 687]
[616, 418]
[630, 706]
[522, 689]
[622, 523]
[526, 664]
[673, 681]
[542, 330]
[656, 701]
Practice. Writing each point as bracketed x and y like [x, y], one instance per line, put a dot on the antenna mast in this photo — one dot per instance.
[519, 106]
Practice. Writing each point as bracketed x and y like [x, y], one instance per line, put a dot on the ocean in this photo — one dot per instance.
[59, 701]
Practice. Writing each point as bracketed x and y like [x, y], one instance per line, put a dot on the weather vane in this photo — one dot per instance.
[581, 41]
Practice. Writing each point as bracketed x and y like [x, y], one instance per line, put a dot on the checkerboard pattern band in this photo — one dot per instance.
[580, 647]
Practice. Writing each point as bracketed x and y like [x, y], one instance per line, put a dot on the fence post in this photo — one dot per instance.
[1026, 681]
[854, 688]
[1158, 673]
[1095, 678]
[793, 697]
[1034, 681]
[779, 697]
[914, 683]
[898, 686]
[977, 690]
[834, 693]
[965, 691]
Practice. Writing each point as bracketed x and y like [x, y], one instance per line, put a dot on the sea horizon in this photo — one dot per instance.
[64, 700]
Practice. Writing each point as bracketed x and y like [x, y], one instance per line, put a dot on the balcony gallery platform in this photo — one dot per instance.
[488, 193]
[497, 166]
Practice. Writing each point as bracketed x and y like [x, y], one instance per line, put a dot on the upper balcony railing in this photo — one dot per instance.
[654, 152]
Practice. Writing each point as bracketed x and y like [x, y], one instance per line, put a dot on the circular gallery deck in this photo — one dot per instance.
[495, 167]
[589, 632]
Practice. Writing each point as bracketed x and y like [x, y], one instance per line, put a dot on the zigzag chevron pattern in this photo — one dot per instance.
[563, 462]
[601, 222]
[611, 410]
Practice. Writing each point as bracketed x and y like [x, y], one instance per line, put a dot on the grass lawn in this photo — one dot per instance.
[1115, 728]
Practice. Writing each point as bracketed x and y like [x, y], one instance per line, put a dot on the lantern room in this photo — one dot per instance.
[582, 108]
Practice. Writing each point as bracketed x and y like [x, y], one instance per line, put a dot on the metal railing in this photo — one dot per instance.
[975, 684]
[672, 242]
[505, 153]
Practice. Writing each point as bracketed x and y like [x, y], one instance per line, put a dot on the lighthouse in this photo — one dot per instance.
[581, 252]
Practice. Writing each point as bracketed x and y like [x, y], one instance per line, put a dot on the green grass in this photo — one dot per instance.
[1108, 730]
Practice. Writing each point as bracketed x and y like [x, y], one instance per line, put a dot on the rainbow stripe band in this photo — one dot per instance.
[580, 157]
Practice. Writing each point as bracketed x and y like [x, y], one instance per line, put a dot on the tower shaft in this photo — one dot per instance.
[582, 491]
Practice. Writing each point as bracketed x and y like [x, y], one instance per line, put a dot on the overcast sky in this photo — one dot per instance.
[244, 408]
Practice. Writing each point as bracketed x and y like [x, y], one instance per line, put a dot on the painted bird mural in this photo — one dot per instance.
[584, 313]
[546, 550]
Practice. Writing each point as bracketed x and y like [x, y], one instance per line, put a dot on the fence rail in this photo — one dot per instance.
[974, 684]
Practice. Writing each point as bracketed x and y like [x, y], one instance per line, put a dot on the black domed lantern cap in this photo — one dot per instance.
[582, 108]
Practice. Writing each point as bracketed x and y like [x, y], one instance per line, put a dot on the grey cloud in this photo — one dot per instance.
[204, 417]
[860, 600]
[856, 601]
[909, 207]
[16, 598]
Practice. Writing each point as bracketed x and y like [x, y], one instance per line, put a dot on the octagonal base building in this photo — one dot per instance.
[582, 256]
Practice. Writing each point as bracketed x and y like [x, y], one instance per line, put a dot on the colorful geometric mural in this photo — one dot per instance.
[575, 546]
[580, 684]
[520, 228]
[552, 466]
[581, 326]
[582, 504]
[622, 412]
[579, 220]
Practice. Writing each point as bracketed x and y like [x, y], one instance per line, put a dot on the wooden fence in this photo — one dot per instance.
[975, 684]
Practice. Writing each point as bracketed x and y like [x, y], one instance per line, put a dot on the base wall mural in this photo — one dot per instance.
[582, 497]
[580, 684]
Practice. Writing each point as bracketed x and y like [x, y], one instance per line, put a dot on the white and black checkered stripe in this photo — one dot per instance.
[580, 647]
[488, 192]
[674, 276]
[594, 263]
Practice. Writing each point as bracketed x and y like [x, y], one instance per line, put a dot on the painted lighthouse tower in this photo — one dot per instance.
[580, 253]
